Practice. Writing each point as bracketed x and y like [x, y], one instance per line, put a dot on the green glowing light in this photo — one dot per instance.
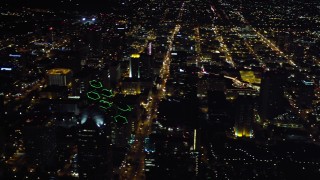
[103, 107]
[109, 93]
[118, 117]
[95, 84]
[91, 94]
[125, 110]
[106, 104]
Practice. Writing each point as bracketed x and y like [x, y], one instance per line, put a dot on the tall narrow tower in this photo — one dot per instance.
[272, 95]
[1, 107]
[93, 147]
[134, 66]
[244, 114]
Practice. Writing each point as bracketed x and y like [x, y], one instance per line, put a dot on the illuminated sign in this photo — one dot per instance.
[149, 48]
[103, 97]
[135, 56]
[15, 55]
[73, 97]
[307, 83]
[5, 69]
[194, 139]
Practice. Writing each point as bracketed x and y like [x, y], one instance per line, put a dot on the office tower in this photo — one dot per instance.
[2, 148]
[140, 66]
[40, 145]
[115, 73]
[150, 164]
[3, 132]
[217, 108]
[244, 114]
[146, 65]
[1, 107]
[123, 123]
[305, 94]
[93, 146]
[70, 105]
[316, 112]
[272, 99]
[134, 66]
[60, 77]
[81, 82]
[147, 62]
[195, 154]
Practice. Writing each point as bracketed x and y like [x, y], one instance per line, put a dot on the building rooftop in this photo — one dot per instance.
[57, 71]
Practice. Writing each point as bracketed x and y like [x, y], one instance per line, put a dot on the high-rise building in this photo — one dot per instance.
[195, 154]
[217, 106]
[146, 66]
[93, 147]
[134, 66]
[1, 106]
[115, 73]
[81, 82]
[40, 145]
[244, 114]
[316, 112]
[140, 66]
[123, 123]
[305, 94]
[60, 77]
[272, 95]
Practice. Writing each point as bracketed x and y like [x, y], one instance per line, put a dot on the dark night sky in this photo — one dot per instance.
[90, 5]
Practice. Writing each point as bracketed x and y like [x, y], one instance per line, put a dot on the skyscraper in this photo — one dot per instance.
[115, 73]
[134, 66]
[2, 130]
[272, 95]
[40, 144]
[244, 114]
[1, 106]
[305, 94]
[218, 110]
[146, 67]
[93, 147]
